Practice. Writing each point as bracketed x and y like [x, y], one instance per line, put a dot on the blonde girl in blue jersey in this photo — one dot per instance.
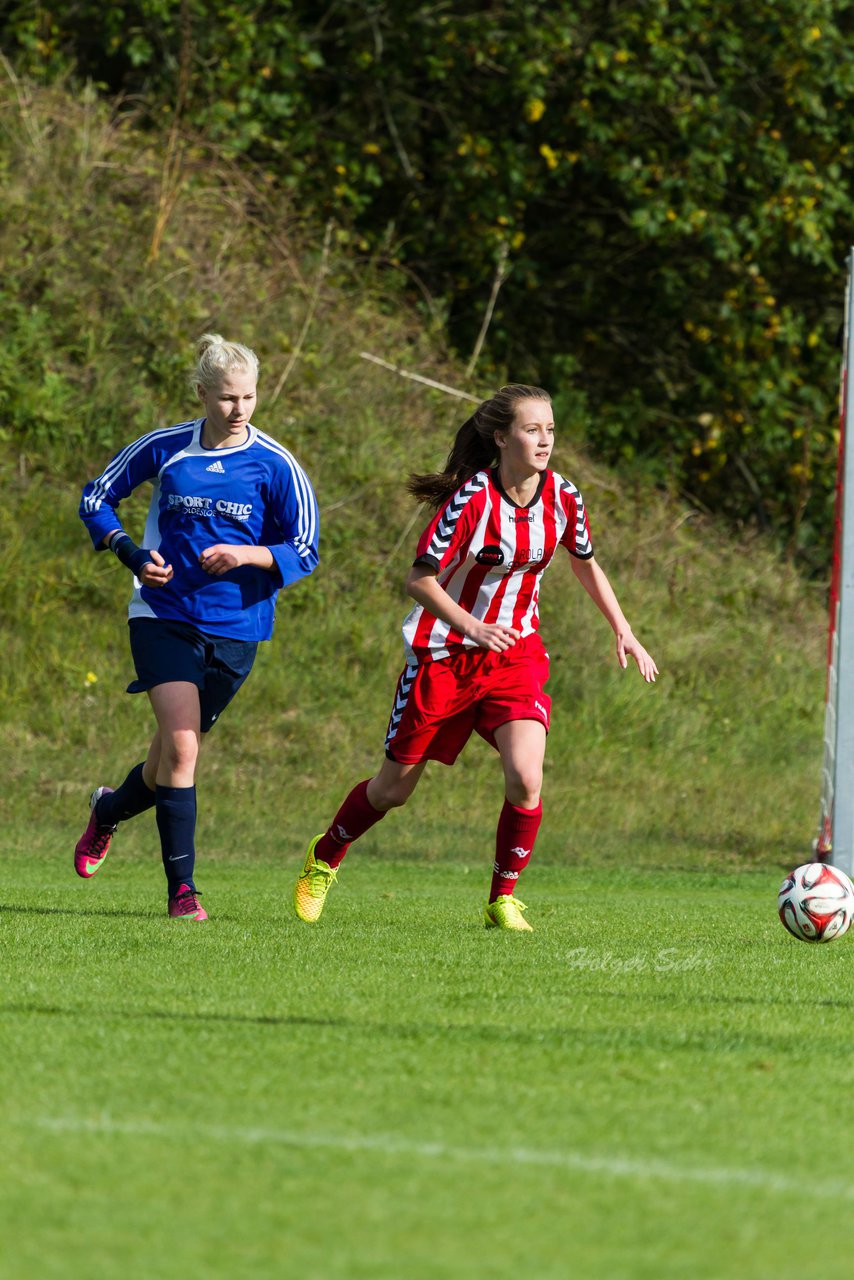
[232, 520]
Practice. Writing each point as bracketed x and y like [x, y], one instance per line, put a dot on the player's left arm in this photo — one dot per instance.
[293, 508]
[595, 582]
[225, 556]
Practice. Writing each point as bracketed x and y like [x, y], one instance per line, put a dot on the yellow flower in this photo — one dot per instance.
[371, 149]
[549, 155]
[340, 168]
[266, 72]
[812, 339]
[535, 109]
[815, 33]
[91, 678]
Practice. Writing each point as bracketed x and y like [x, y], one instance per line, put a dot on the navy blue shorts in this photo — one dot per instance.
[164, 650]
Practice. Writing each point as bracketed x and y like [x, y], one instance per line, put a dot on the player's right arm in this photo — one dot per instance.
[444, 542]
[99, 504]
[425, 589]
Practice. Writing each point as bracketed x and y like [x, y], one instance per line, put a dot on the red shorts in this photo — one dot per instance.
[438, 705]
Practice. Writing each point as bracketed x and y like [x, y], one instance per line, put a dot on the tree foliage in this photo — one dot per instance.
[668, 182]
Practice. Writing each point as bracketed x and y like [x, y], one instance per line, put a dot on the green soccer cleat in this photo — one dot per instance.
[506, 913]
[313, 885]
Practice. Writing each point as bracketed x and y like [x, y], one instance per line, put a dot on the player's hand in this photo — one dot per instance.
[629, 647]
[493, 636]
[157, 572]
[220, 559]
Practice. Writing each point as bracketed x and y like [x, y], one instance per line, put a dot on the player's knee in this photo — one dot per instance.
[523, 788]
[179, 751]
[390, 797]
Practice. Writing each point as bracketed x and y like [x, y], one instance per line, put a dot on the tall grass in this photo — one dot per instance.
[718, 763]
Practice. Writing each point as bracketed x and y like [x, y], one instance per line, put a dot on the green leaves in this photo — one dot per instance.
[644, 165]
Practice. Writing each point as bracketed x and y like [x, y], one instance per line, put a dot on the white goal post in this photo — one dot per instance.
[835, 841]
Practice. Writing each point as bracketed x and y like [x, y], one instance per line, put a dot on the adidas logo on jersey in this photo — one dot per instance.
[216, 466]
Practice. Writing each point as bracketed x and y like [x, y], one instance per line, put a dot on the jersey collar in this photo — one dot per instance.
[199, 424]
[498, 485]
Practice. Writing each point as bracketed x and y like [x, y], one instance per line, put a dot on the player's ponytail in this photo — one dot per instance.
[474, 447]
[216, 358]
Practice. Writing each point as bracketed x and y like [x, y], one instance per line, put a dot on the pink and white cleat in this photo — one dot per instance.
[94, 844]
[186, 906]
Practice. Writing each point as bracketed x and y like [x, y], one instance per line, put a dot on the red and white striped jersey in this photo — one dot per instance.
[489, 553]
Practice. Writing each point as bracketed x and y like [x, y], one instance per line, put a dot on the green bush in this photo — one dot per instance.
[670, 183]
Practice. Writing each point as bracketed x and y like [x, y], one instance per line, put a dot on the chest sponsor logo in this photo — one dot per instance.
[534, 556]
[207, 507]
[490, 555]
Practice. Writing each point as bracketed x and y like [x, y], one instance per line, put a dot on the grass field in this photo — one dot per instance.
[651, 1085]
[654, 1084]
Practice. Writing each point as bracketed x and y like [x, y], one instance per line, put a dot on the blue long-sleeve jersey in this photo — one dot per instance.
[254, 493]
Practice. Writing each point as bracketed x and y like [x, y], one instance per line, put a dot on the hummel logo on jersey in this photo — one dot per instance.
[216, 466]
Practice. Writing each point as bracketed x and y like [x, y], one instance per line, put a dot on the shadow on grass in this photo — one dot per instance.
[168, 1015]
[614, 1038]
[82, 911]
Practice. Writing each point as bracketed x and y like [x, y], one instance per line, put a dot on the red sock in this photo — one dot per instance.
[514, 844]
[356, 816]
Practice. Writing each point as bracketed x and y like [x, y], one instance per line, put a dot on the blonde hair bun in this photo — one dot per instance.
[216, 358]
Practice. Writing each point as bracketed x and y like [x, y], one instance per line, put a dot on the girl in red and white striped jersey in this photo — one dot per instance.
[474, 658]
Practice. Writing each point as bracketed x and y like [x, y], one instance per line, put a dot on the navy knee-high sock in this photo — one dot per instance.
[176, 822]
[131, 798]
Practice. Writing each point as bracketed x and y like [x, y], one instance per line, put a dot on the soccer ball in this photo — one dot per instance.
[816, 902]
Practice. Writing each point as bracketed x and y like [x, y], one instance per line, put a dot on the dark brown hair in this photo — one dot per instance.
[474, 446]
